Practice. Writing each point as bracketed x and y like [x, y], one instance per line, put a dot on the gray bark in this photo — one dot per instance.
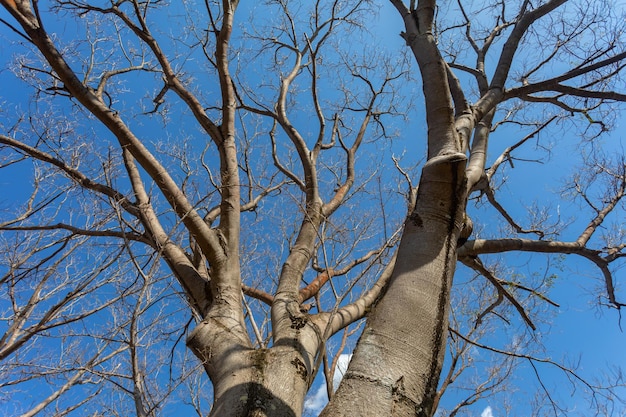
[396, 366]
[252, 382]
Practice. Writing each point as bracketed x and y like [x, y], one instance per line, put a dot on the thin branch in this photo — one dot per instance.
[476, 264]
[83, 232]
[554, 84]
[72, 173]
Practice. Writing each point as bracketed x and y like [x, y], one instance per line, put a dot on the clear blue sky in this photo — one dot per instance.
[579, 328]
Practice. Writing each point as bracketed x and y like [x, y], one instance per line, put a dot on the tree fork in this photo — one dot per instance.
[248, 382]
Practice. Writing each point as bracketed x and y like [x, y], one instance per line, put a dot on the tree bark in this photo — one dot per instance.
[396, 365]
[250, 382]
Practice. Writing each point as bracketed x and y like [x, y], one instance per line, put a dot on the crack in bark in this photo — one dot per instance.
[361, 377]
[399, 397]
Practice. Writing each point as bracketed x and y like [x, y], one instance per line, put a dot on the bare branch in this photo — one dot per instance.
[476, 264]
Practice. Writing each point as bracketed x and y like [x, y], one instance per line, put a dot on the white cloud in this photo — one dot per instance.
[316, 400]
[340, 369]
[487, 412]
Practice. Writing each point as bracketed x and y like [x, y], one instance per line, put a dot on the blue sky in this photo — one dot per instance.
[579, 327]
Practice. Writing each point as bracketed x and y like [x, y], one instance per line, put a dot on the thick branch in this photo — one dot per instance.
[442, 137]
[194, 284]
[481, 246]
[358, 309]
[510, 47]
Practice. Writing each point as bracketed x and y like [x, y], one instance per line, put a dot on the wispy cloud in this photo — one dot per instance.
[487, 412]
[316, 400]
[340, 369]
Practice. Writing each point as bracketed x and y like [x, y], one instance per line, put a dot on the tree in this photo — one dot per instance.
[186, 170]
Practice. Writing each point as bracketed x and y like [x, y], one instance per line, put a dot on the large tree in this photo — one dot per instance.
[229, 174]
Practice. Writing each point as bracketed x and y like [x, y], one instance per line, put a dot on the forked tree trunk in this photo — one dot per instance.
[250, 382]
[396, 365]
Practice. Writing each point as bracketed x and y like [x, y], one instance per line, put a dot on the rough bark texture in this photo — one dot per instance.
[396, 365]
[398, 359]
[258, 383]
[251, 382]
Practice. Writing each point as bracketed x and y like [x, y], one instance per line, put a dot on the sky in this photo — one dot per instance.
[318, 397]
[579, 328]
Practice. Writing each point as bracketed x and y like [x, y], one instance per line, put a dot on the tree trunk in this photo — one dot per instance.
[396, 365]
[250, 382]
